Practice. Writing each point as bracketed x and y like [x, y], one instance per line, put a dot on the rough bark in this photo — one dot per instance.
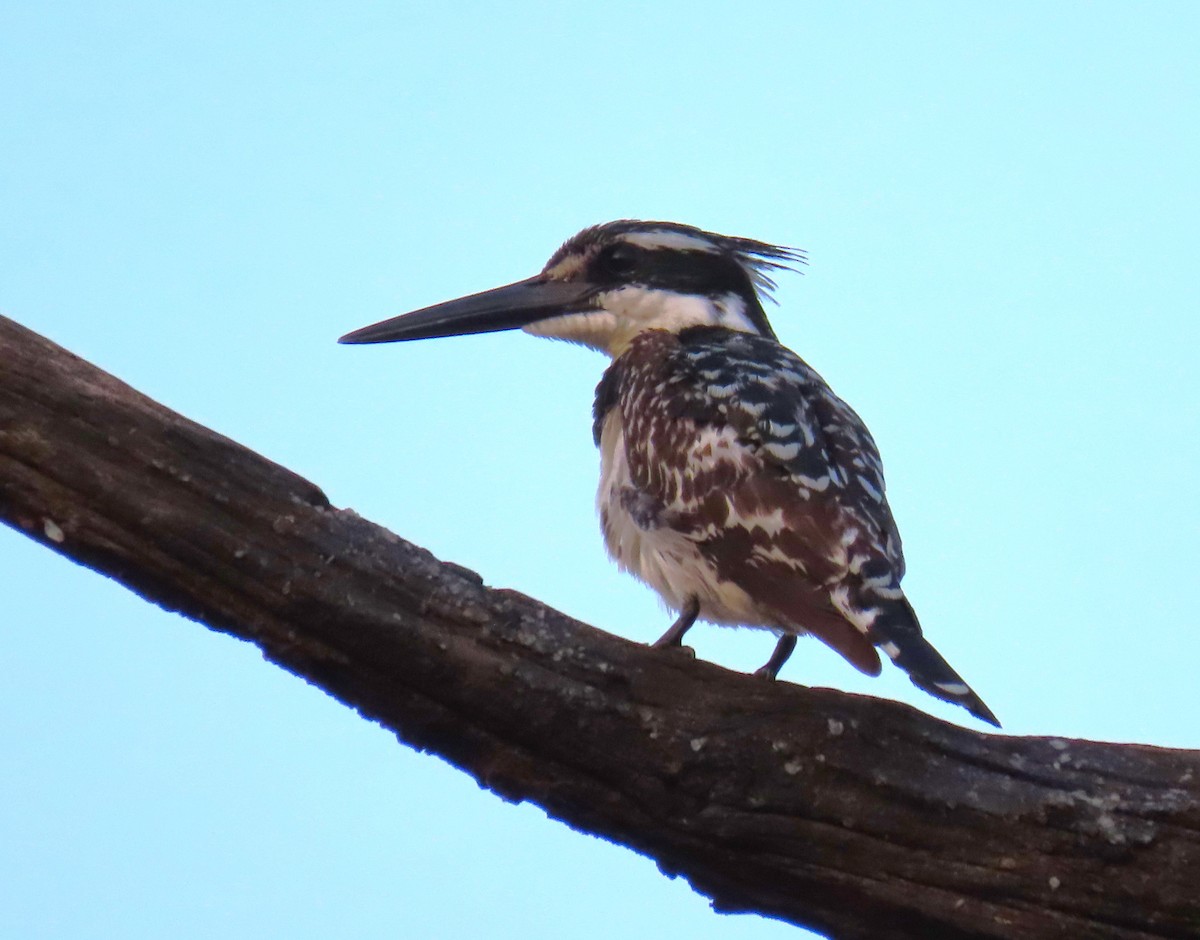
[857, 817]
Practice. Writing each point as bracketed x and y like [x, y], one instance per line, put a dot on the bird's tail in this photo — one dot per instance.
[898, 633]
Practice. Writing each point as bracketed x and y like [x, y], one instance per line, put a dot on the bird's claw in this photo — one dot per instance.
[675, 647]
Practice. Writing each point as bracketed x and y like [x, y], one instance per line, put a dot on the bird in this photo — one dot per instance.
[733, 481]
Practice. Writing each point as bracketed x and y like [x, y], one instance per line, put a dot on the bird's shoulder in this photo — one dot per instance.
[780, 408]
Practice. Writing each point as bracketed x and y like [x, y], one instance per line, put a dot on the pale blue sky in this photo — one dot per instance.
[999, 205]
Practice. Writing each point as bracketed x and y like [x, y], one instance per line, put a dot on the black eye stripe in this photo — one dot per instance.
[695, 272]
[690, 272]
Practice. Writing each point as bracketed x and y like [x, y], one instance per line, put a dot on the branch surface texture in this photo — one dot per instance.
[854, 816]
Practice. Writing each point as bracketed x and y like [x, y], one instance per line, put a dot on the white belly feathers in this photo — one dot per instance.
[657, 555]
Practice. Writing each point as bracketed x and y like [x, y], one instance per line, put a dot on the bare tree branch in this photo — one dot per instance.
[854, 816]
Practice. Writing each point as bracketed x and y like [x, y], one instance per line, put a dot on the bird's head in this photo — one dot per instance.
[611, 282]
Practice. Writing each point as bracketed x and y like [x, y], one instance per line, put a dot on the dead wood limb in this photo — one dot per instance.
[854, 816]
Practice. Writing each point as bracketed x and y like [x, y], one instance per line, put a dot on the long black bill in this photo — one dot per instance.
[503, 308]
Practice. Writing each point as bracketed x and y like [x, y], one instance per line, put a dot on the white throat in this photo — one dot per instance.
[628, 311]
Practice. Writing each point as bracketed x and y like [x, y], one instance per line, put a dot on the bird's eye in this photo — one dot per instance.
[619, 260]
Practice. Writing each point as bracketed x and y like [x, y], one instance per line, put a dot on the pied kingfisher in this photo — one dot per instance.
[733, 481]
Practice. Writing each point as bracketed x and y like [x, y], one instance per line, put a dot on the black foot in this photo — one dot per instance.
[687, 617]
[783, 650]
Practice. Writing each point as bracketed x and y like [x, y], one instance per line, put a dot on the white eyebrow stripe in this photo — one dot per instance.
[661, 238]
